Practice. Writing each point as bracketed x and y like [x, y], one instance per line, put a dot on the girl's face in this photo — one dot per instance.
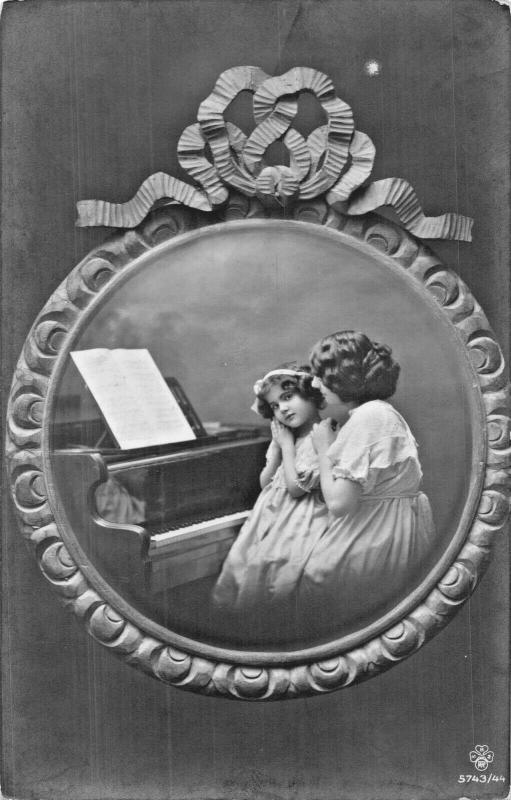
[334, 406]
[289, 407]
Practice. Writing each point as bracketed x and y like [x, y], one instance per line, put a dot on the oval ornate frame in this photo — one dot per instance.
[189, 665]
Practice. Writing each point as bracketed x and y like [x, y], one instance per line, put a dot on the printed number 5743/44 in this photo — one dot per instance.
[480, 778]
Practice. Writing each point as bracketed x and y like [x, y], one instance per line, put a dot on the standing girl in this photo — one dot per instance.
[265, 562]
[381, 529]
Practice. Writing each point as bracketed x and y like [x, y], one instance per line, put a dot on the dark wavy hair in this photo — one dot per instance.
[355, 368]
[301, 384]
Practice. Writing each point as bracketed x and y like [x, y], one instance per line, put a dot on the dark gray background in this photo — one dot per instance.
[94, 98]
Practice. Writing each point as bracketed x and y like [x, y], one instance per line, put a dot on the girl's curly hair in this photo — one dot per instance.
[355, 368]
[301, 384]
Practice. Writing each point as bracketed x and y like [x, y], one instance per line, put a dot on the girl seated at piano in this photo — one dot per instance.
[266, 561]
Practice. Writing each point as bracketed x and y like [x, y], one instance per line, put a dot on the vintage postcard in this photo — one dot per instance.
[255, 326]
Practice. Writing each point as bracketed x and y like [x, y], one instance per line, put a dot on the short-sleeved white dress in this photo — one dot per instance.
[368, 558]
[266, 561]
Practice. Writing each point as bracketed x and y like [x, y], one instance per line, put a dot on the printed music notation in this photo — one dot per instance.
[137, 404]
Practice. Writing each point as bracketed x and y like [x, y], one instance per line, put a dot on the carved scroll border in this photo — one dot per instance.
[27, 442]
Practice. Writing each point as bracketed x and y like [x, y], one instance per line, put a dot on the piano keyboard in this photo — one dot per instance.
[164, 538]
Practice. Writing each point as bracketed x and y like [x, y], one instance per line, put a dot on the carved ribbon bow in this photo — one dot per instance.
[334, 160]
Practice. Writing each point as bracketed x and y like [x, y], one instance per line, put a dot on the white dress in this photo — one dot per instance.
[265, 563]
[368, 559]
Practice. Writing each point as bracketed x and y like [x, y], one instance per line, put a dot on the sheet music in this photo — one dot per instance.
[138, 406]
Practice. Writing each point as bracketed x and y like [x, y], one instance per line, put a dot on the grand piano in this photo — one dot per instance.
[153, 519]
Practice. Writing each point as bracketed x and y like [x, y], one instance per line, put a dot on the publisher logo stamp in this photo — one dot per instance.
[481, 756]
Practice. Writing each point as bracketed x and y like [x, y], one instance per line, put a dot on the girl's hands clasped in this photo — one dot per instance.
[282, 435]
[323, 435]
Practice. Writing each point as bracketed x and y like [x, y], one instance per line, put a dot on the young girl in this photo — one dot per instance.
[381, 529]
[265, 562]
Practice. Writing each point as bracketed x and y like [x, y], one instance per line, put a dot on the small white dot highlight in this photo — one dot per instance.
[372, 68]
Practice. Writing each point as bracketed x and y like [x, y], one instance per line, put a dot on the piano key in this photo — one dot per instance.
[228, 521]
